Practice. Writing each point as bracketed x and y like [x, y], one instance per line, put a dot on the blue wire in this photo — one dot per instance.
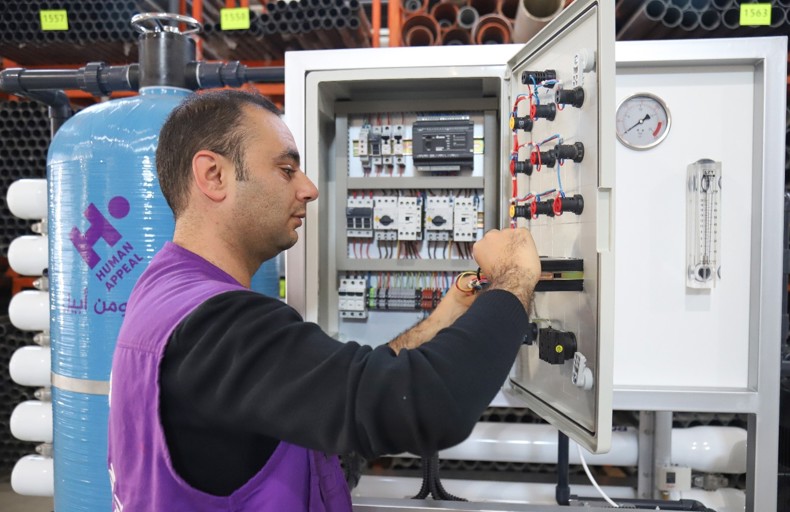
[559, 180]
[537, 99]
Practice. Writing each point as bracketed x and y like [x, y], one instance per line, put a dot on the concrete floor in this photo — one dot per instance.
[13, 502]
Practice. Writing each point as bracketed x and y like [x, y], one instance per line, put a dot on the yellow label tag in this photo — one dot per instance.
[237, 18]
[755, 14]
[54, 19]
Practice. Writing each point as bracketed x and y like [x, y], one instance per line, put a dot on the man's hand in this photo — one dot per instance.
[510, 260]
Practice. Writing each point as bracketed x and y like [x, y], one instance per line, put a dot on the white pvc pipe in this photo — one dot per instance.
[32, 421]
[27, 255]
[29, 310]
[478, 490]
[30, 366]
[722, 500]
[532, 16]
[33, 475]
[27, 199]
[709, 449]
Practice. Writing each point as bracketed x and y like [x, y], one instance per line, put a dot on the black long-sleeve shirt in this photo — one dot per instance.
[243, 372]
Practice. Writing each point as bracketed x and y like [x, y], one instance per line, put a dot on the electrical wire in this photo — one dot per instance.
[592, 480]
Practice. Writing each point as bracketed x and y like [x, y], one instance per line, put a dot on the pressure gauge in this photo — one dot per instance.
[642, 121]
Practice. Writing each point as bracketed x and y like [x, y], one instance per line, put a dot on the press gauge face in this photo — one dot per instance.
[642, 121]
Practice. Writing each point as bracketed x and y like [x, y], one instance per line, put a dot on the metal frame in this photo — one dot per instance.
[761, 400]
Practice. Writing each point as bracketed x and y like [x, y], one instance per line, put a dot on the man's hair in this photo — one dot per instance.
[209, 121]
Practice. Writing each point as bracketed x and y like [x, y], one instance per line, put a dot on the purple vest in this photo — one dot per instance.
[294, 479]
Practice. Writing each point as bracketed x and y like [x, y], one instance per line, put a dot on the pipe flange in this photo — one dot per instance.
[90, 77]
[149, 22]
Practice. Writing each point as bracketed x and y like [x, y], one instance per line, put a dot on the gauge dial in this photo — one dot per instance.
[642, 121]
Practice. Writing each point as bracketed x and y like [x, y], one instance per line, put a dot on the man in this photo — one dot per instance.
[224, 399]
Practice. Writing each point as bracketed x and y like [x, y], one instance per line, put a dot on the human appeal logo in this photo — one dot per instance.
[118, 263]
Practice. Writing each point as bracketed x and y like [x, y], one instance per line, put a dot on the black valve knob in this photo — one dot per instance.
[573, 97]
[546, 111]
[573, 152]
[522, 167]
[544, 208]
[523, 123]
[547, 158]
[539, 76]
[556, 347]
[573, 204]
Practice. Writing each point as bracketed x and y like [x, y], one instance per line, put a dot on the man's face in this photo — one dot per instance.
[271, 203]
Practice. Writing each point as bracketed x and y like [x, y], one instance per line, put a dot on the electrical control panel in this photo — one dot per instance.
[416, 160]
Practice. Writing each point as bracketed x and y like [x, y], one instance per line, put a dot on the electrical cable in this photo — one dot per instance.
[592, 480]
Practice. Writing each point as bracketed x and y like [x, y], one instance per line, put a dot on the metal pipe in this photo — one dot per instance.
[680, 4]
[643, 20]
[708, 22]
[722, 4]
[624, 9]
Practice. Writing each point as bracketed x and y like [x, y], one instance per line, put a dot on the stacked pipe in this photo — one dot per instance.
[296, 25]
[453, 22]
[24, 139]
[465, 458]
[11, 394]
[96, 31]
[31, 420]
[673, 19]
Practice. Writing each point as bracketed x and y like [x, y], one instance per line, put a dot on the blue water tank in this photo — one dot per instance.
[107, 219]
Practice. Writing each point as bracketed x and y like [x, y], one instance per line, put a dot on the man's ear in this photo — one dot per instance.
[211, 172]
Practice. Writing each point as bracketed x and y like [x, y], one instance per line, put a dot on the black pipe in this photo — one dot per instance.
[59, 107]
[562, 492]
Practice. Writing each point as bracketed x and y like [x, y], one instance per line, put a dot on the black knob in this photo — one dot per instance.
[546, 111]
[386, 220]
[438, 220]
[547, 158]
[523, 167]
[531, 335]
[573, 152]
[523, 123]
[573, 97]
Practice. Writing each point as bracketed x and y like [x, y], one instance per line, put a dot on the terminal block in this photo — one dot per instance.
[374, 144]
[385, 217]
[554, 346]
[359, 217]
[351, 298]
[410, 218]
[362, 148]
[397, 145]
[438, 218]
[386, 145]
[464, 220]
